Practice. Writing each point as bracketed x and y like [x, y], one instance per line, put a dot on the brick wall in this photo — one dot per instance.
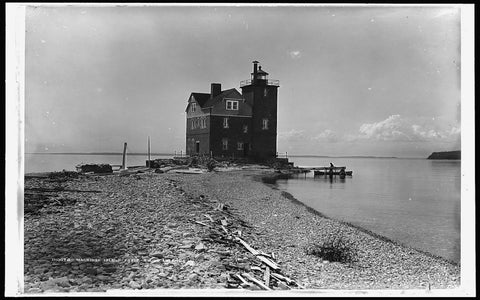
[234, 134]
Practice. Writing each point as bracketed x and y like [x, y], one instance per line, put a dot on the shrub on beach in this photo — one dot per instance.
[335, 248]
[211, 165]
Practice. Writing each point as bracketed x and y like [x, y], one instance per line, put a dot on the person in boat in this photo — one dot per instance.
[330, 172]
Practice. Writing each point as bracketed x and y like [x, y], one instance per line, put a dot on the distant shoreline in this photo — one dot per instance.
[348, 156]
[172, 154]
[99, 153]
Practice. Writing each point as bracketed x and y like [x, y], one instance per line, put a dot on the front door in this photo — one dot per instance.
[197, 147]
[245, 149]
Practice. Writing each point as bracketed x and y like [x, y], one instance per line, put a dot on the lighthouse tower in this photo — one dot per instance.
[261, 93]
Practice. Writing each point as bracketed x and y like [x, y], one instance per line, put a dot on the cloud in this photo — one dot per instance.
[295, 54]
[446, 12]
[397, 128]
[292, 134]
[326, 136]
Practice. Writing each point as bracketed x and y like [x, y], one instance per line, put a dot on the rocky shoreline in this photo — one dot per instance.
[181, 231]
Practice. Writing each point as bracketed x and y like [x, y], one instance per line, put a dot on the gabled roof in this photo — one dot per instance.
[211, 101]
[201, 98]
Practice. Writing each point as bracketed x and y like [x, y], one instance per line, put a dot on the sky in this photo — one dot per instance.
[354, 80]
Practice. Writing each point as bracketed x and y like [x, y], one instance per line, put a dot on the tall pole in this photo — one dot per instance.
[149, 151]
[124, 155]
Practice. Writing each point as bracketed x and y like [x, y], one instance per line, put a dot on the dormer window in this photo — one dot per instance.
[193, 107]
[232, 105]
[264, 124]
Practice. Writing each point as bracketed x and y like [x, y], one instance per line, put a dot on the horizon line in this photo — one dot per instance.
[279, 156]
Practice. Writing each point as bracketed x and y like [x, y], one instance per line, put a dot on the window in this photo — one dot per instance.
[203, 122]
[194, 106]
[240, 146]
[192, 121]
[245, 128]
[265, 92]
[232, 105]
[225, 122]
[224, 144]
[265, 124]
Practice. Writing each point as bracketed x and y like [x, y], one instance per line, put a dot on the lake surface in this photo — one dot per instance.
[58, 162]
[413, 201]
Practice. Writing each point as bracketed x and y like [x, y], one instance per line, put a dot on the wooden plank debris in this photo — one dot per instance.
[225, 229]
[286, 279]
[267, 266]
[209, 217]
[201, 223]
[255, 268]
[256, 281]
[266, 276]
[282, 278]
[242, 279]
[258, 255]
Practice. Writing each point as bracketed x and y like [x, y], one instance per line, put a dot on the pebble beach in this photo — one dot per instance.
[150, 231]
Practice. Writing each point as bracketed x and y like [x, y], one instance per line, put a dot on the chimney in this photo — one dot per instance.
[215, 89]
[255, 67]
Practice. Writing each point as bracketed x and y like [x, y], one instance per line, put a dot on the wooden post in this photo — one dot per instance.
[149, 151]
[124, 154]
[266, 276]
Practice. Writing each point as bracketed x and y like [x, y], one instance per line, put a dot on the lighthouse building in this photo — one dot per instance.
[227, 123]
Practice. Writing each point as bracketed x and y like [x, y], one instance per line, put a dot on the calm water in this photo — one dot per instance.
[59, 162]
[413, 201]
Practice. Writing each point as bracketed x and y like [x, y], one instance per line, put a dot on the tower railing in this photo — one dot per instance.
[245, 82]
[271, 82]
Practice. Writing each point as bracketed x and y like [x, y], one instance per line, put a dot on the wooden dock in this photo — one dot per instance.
[331, 171]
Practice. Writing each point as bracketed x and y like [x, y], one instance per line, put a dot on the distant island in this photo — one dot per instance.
[445, 155]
